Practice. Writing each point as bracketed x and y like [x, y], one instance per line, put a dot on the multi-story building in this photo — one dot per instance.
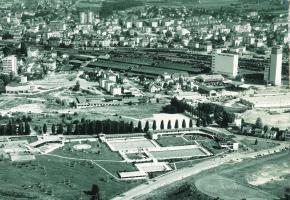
[273, 73]
[10, 65]
[90, 17]
[83, 18]
[225, 64]
[87, 17]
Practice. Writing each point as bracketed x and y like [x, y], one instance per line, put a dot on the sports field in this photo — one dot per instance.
[178, 153]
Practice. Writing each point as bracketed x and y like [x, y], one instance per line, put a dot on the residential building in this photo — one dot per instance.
[273, 73]
[10, 65]
[225, 64]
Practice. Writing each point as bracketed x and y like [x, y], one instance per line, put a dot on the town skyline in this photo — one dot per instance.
[155, 99]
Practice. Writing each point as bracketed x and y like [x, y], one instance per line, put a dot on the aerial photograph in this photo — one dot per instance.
[144, 100]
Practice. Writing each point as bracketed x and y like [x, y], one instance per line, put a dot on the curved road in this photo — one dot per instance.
[186, 172]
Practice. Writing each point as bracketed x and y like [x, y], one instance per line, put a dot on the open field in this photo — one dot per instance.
[281, 120]
[262, 144]
[135, 111]
[269, 173]
[233, 181]
[41, 179]
[228, 189]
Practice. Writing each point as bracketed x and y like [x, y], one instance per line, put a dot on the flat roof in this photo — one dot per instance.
[132, 174]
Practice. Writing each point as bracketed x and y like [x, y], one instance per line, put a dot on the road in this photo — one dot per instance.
[178, 175]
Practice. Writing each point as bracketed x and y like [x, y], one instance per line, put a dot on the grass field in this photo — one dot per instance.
[168, 141]
[262, 144]
[228, 189]
[267, 176]
[232, 181]
[211, 145]
[136, 156]
[99, 151]
[58, 179]
[270, 173]
[280, 120]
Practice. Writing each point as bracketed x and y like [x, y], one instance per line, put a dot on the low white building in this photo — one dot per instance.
[116, 90]
[16, 88]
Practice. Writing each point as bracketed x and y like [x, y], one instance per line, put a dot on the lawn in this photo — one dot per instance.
[136, 156]
[55, 178]
[261, 145]
[269, 173]
[140, 111]
[211, 145]
[114, 168]
[98, 151]
[228, 189]
[29, 139]
[168, 141]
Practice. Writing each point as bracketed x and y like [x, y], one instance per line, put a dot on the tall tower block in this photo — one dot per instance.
[273, 74]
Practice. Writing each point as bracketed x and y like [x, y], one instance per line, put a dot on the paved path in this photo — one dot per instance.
[186, 172]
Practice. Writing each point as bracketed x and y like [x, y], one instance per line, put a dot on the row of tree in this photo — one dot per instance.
[15, 128]
[88, 127]
[207, 113]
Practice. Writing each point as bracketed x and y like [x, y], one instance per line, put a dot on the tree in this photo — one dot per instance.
[183, 123]
[69, 129]
[23, 49]
[77, 86]
[259, 123]
[169, 124]
[198, 122]
[168, 34]
[53, 129]
[140, 126]
[59, 129]
[131, 127]
[162, 125]
[266, 128]
[176, 126]
[122, 126]
[26, 128]
[5, 78]
[146, 128]
[44, 128]
[190, 123]
[154, 126]
[20, 129]
[9, 128]
[77, 129]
